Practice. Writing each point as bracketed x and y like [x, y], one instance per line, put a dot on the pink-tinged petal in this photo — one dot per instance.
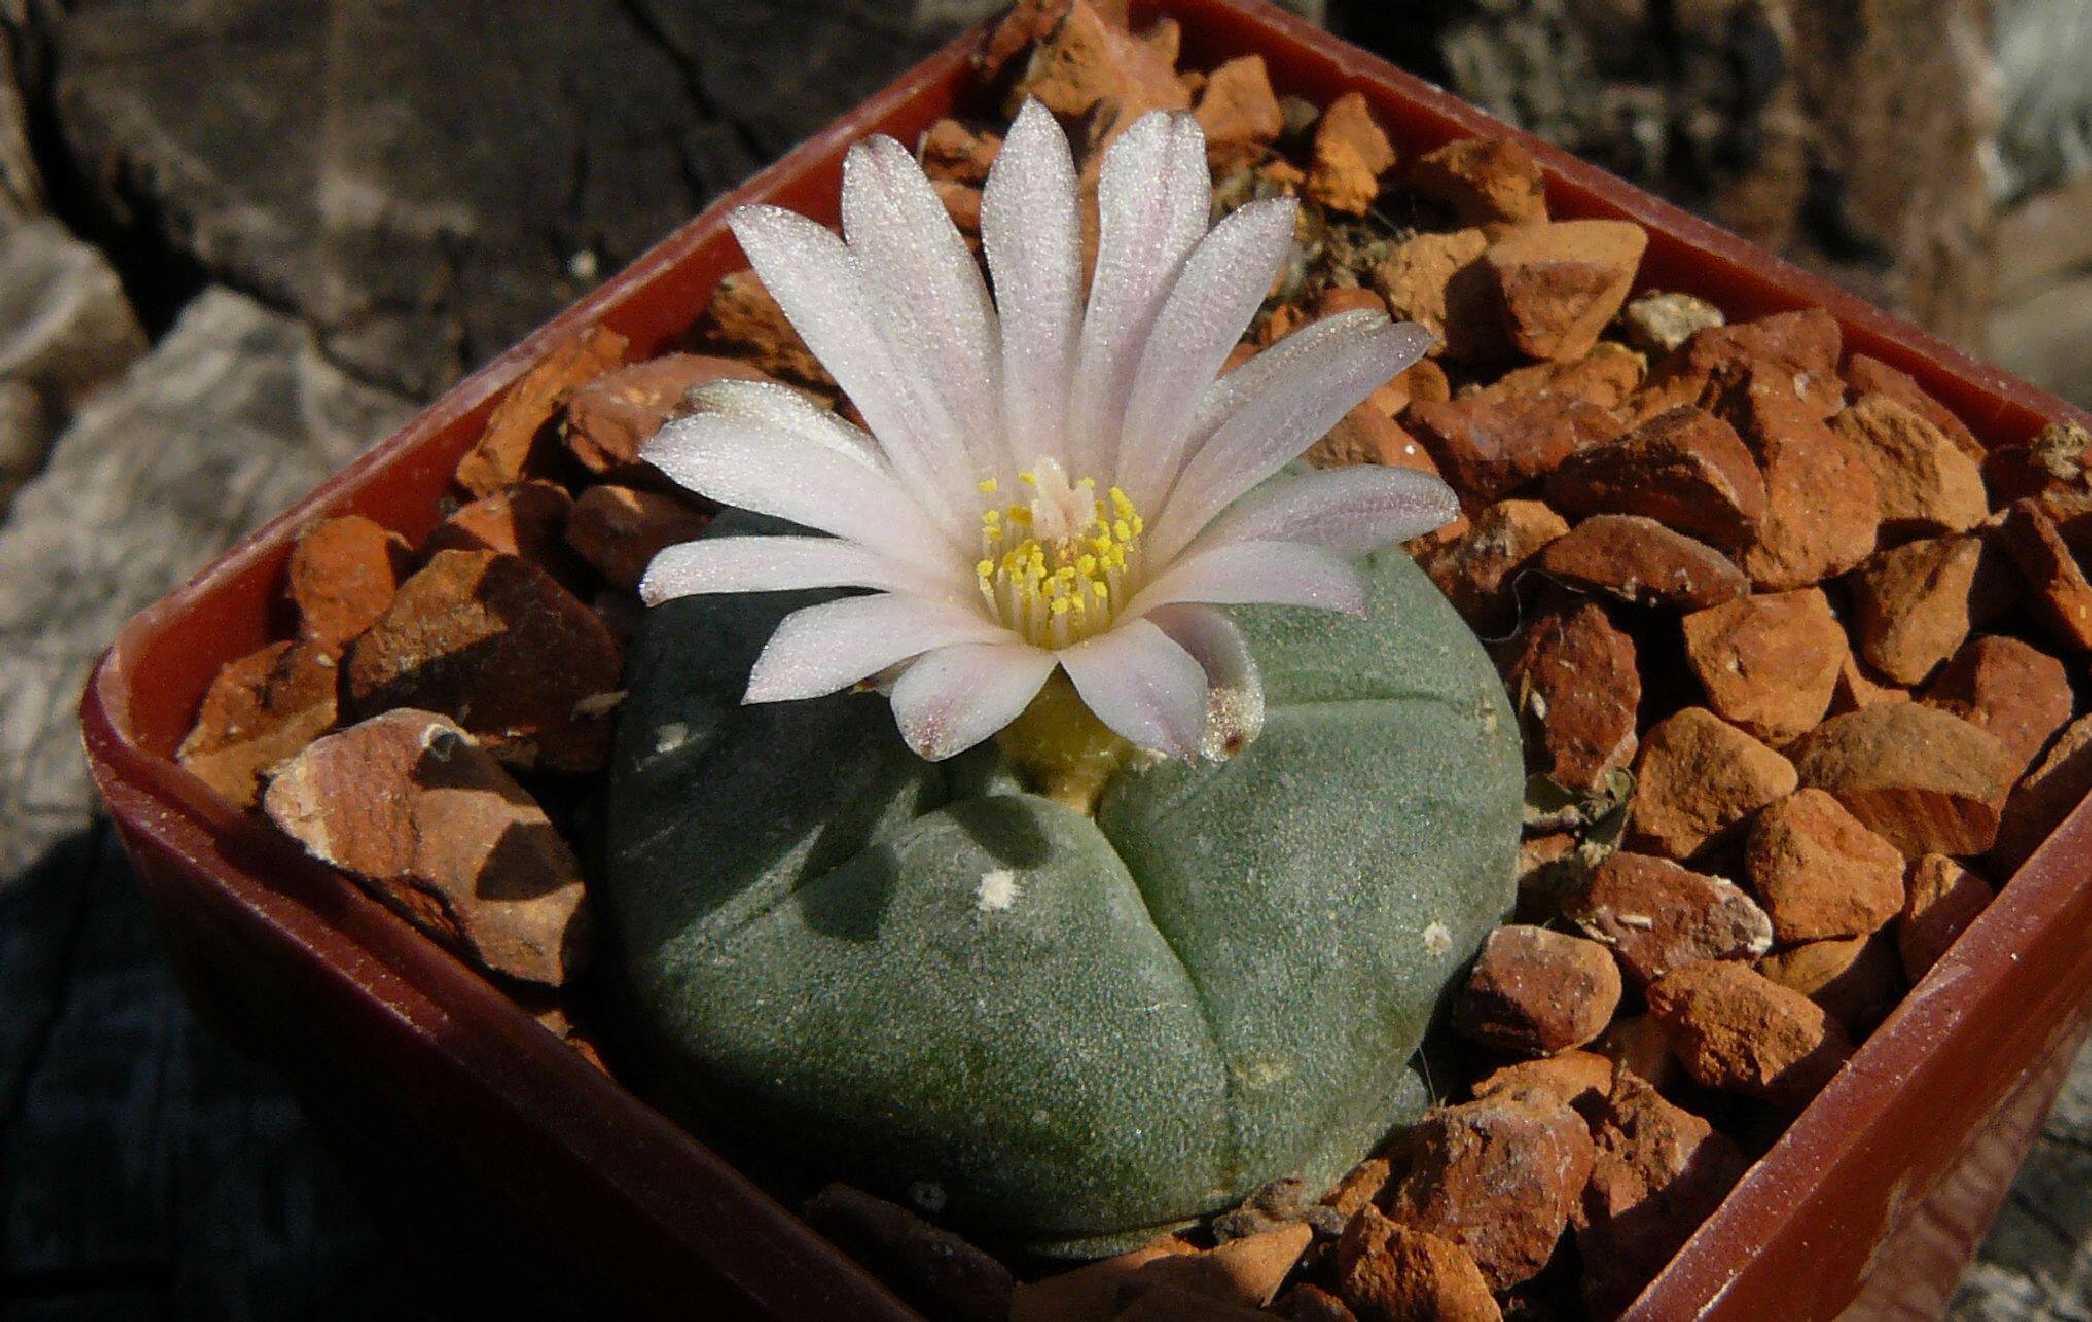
[1246, 573]
[1348, 510]
[807, 269]
[1153, 197]
[955, 697]
[1267, 368]
[774, 405]
[833, 645]
[1235, 693]
[1032, 233]
[932, 306]
[1271, 430]
[1140, 683]
[742, 463]
[1208, 308]
[781, 564]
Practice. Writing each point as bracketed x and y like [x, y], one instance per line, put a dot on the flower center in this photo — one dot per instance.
[1058, 568]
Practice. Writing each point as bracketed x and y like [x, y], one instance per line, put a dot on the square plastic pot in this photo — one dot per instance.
[1873, 1201]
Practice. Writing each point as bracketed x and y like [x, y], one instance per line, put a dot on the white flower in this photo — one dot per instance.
[1045, 484]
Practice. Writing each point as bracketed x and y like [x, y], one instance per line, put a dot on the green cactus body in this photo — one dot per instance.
[1065, 1032]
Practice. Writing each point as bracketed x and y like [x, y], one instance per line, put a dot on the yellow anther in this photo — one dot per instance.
[1121, 503]
[1061, 606]
[1087, 483]
[990, 518]
[1122, 530]
[1028, 479]
[988, 486]
[1053, 590]
[1138, 525]
[1086, 565]
[1102, 590]
[986, 569]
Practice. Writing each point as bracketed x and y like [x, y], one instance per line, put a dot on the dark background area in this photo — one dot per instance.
[241, 239]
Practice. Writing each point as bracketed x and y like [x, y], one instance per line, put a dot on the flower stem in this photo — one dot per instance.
[1060, 746]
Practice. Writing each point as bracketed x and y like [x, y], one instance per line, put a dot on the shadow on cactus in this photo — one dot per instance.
[1046, 805]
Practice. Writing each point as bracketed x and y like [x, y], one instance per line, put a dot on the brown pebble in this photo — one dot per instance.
[1366, 435]
[1684, 468]
[1697, 779]
[1435, 280]
[1926, 781]
[1169, 1303]
[2045, 796]
[1871, 376]
[1574, 682]
[526, 519]
[744, 322]
[953, 153]
[1822, 507]
[1350, 153]
[1246, 1272]
[1533, 992]
[1942, 899]
[493, 642]
[1657, 916]
[1486, 181]
[1789, 354]
[1769, 663]
[931, 1267]
[1926, 484]
[1389, 1272]
[1239, 111]
[1489, 448]
[1637, 1045]
[619, 530]
[342, 575]
[261, 709]
[1735, 1031]
[2060, 589]
[1362, 1184]
[1311, 1303]
[1605, 377]
[1578, 1079]
[516, 442]
[1819, 873]
[1091, 1290]
[1561, 282]
[1856, 979]
[608, 419]
[2007, 687]
[1498, 1177]
[1087, 59]
[1659, 1172]
[1479, 573]
[1859, 687]
[1641, 561]
[1913, 605]
[414, 808]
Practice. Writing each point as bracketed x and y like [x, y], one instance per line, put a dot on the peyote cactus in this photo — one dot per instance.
[1138, 902]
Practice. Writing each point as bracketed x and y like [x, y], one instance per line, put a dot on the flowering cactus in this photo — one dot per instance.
[1174, 930]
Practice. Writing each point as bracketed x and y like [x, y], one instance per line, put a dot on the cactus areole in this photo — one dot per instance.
[1083, 831]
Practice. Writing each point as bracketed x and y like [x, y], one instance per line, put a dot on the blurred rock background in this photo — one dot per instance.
[240, 239]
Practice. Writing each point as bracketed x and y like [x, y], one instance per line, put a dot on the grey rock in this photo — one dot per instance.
[66, 324]
[25, 437]
[230, 418]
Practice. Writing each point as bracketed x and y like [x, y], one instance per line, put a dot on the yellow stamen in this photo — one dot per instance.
[1069, 559]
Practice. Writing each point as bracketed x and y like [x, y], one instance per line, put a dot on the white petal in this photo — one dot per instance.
[932, 306]
[779, 564]
[1235, 696]
[1153, 197]
[1264, 370]
[955, 697]
[1208, 308]
[775, 405]
[1032, 233]
[830, 646]
[737, 462]
[808, 271]
[1349, 510]
[1242, 573]
[1272, 429]
[1142, 684]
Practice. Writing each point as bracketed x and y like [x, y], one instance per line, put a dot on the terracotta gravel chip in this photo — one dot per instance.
[1871, 376]
[1926, 781]
[1913, 605]
[1659, 1172]
[1578, 1079]
[1859, 687]
[1822, 507]
[1684, 468]
[1368, 435]
[1092, 1290]
[743, 322]
[1479, 573]
[1607, 377]
[608, 419]
[1388, 1272]
[518, 434]
[261, 709]
[1561, 282]
[1499, 1177]
[1942, 899]
[2057, 579]
[2044, 797]
[495, 643]
[2009, 688]
[1489, 448]
[1350, 153]
[527, 519]
[1926, 484]
[1088, 58]
[1819, 873]
[1307, 1302]
[1697, 779]
[1533, 992]
[1238, 111]
[1434, 280]
[1857, 979]
[1574, 683]
[619, 530]
[1639, 560]
[342, 575]
[1657, 916]
[1736, 1031]
[1791, 355]
[1768, 663]
[952, 153]
[1245, 1272]
[413, 807]
[1486, 181]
